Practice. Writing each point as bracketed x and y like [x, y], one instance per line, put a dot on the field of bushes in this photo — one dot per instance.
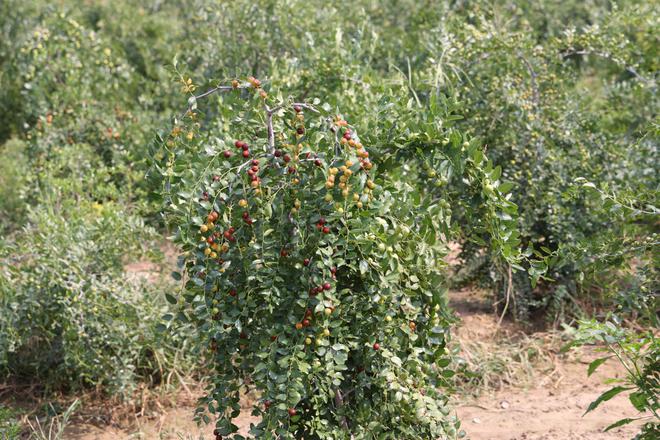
[305, 181]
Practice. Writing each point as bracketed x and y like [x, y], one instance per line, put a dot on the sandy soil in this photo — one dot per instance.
[552, 404]
[547, 413]
[549, 407]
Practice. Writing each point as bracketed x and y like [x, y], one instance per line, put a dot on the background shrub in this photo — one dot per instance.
[70, 318]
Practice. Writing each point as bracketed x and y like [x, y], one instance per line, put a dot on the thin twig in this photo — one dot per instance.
[307, 106]
[210, 92]
[508, 296]
[532, 75]
[184, 384]
[269, 123]
[217, 89]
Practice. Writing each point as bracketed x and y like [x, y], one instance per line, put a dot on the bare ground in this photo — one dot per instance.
[547, 394]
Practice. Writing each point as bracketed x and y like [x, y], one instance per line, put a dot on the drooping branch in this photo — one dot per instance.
[627, 67]
[192, 102]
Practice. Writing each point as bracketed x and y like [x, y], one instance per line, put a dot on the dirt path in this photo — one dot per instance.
[532, 393]
[541, 413]
[552, 391]
[551, 409]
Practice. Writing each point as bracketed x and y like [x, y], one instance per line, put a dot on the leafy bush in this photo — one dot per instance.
[310, 279]
[575, 104]
[10, 429]
[69, 317]
[560, 96]
[83, 106]
[13, 185]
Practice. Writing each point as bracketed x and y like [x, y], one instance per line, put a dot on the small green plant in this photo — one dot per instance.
[10, 428]
[639, 353]
[13, 171]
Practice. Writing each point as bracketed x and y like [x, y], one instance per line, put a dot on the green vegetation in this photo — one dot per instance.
[313, 277]
[527, 132]
[639, 353]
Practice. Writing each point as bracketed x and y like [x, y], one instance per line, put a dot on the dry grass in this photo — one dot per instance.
[43, 418]
[495, 355]
[505, 363]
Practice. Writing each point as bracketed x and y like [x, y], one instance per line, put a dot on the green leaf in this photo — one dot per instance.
[568, 346]
[181, 317]
[477, 156]
[638, 399]
[497, 172]
[443, 362]
[505, 187]
[619, 423]
[595, 364]
[607, 395]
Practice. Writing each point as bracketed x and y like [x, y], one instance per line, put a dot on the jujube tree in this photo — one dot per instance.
[310, 279]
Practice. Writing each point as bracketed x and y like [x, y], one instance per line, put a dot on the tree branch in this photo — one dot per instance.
[532, 75]
[192, 101]
[307, 106]
[630, 69]
[339, 402]
[508, 296]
